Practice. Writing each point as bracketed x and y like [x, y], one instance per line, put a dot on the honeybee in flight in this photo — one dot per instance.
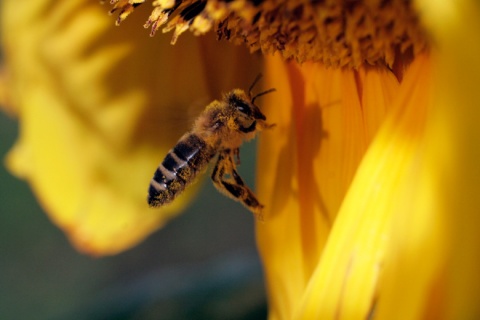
[220, 129]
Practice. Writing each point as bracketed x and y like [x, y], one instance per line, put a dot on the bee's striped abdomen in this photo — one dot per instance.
[178, 169]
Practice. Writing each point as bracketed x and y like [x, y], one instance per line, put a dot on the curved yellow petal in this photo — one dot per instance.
[404, 244]
[99, 106]
[325, 120]
[437, 246]
[458, 145]
[345, 283]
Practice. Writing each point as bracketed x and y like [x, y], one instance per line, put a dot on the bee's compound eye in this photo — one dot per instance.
[243, 107]
[217, 124]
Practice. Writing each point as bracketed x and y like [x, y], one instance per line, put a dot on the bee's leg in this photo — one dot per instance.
[247, 197]
[263, 125]
[228, 181]
[236, 153]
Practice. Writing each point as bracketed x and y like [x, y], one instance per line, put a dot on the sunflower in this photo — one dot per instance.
[369, 178]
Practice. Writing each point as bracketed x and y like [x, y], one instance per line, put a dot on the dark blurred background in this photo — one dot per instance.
[202, 265]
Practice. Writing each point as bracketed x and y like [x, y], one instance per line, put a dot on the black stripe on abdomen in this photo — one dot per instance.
[189, 147]
[178, 169]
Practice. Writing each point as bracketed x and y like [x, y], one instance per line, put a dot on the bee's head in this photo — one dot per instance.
[244, 109]
[242, 106]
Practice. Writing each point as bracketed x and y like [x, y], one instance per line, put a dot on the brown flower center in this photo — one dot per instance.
[337, 33]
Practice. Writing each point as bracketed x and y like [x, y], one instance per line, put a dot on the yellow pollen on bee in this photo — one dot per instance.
[231, 124]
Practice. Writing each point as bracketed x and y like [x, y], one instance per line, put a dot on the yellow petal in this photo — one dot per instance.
[405, 243]
[307, 162]
[344, 285]
[99, 107]
[455, 138]
[438, 244]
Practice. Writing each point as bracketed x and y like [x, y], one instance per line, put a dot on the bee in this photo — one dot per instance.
[219, 131]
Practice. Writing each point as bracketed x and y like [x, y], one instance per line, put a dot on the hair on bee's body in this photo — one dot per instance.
[220, 129]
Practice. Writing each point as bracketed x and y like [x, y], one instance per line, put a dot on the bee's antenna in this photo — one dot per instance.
[262, 93]
[252, 100]
[259, 76]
